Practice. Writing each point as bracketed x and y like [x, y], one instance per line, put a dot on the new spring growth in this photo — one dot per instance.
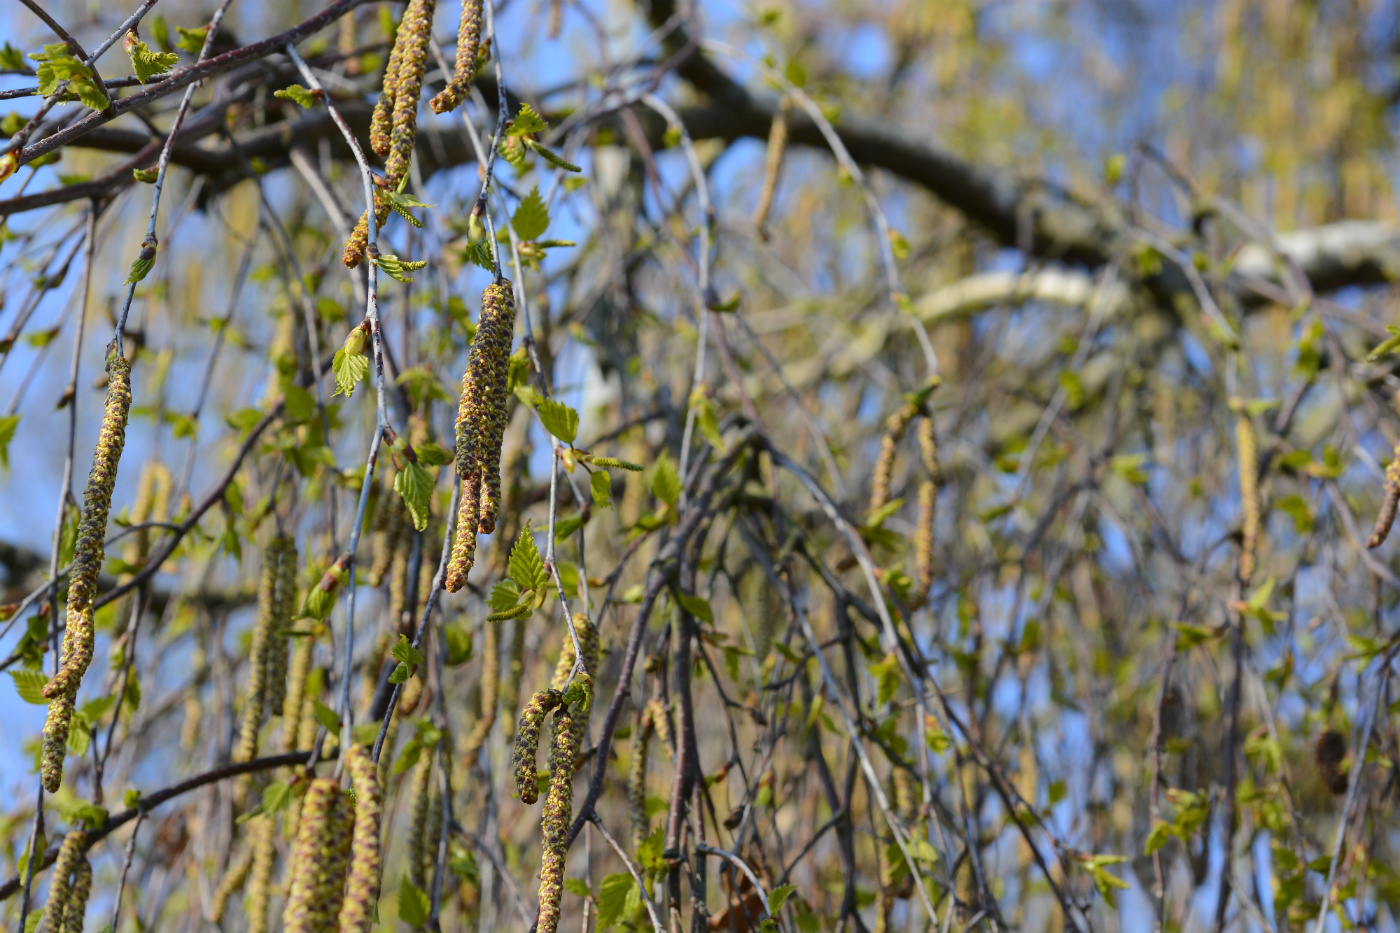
[895, 426]
[321, 597]
[231, 883]
[284, 608]
[772, 165]
[319, 858]
[558, 805]
[468, 46]
[481, 424]
[144, 260]
[928, 500]
[1390, 501]
[68, 892]
[79, 637]
[490, 692]
[263, 633]
[258, 896]
[637, 778]
[527, 742]
[420, 793]
[1249, 493]
[362, 889]
[350, 364]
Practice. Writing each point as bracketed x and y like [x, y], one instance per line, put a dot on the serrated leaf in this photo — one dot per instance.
[191, 40]
[30, 686]
[349, 371]
[504, 596]
[601, 484]
[139, 269]
[395, 267]
[400, 674]
[413, 903]
[302, 96]
[405, 652]
[326, 716]
[276, 797]
[577, 886]
[612, 898]
[567, 526]
[666, 480]
[148, 63]
[778, 896]
[558, 419]
[416, 487]
[526, 121]
[433, 455]
[531, 218]
[526, 567]
[697, 606]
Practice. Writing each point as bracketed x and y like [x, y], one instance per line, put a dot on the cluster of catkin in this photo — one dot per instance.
[570, 724]
[916, 408]
[652, 720]
[394, 125]
[468, 48]
[72, 882]
[80, 637]
[481, 426]
[267, 678]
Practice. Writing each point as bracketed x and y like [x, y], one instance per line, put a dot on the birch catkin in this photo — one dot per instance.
[256, 703]
[61, 888]
[928, 500]
[296, 692]
[527, 742]
[1249, 496]
[420, 795]
[76, 909]
[319, 858]
[557, 813]
[481, 425]
[468, 46]
[895, 427]
[588, 641]
[637, 778]
[285, 607]
[258, 894]
[1390, 501]
[366, 858]
[490, 692]
[772, 165]
[233, 880]
[79, 638]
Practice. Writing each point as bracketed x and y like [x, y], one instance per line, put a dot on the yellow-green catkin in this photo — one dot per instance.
[481, 426]
[661, 722]
[80, 636]
[366, 857]
[411, 46]
[557, 813]
[70, 853]
[319, 859]
[895, 427]
[292, 706]
[772, 166]
[1390, 501]
[420, 797]
[468, 44]
[928, 501]
[527, 742]
[256, 703]
[279, 647]
[258, 894]
[490, 691]
[382, 121]
[391, 527]
[588, 641]
[1249, 496]
[76, 910]
[637, 778]
[235, 876]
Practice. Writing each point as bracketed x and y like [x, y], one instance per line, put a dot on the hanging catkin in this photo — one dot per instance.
[79, 638]
[490, 691]
[404, 83]
[230, 884]
[527, 742]
[1249, 496]
[928, 500]
[558, 811]
[366, 859]
[468, 45]
[481, 425]
[1390, 501]
[420, 794]
[284, 607]
[637, 778]
[588, 641]
[319, 858]
[256, 703]
[76, 909]
[293, 705]
[61, 889]
[259, 891]
[895, 427]
[772, 165]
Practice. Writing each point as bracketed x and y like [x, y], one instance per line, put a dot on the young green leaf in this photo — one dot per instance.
[146, 62]
[431, 454]
[531, 218]
[413, 903]
[526, 121]
[666, 480]
[416, 487]
[778, 896]
[30, 686]
[326, 716]
[405, 652]
[302, 96]
[526, 567]
[612, 898]
[191, 40]
[350, 370]
[601, 484]
[558, 419]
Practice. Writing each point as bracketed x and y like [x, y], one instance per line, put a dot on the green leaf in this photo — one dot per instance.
[326, 716]
[400, 674]
[30, 686]
[567, 526]
[778, 896]
[577, 886]
[666, 480]
[349, 371]
[612, 898]
[160, 32]
[276, 797]
[304, 97]
[504, 596]
[299, 404]
[433, 455]
[11, 59]
[395, 267]
[8, 425]
[697, 606]
[459, 643]
[243, 419]
[601, 484]
[558, 419]
[526, 121]
[416, 487]
[140, 266]
[148, 63]
[405, 652]
[1161, 832]
[413, 903]
[191, 40]
[526, 568]
[531, 218]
